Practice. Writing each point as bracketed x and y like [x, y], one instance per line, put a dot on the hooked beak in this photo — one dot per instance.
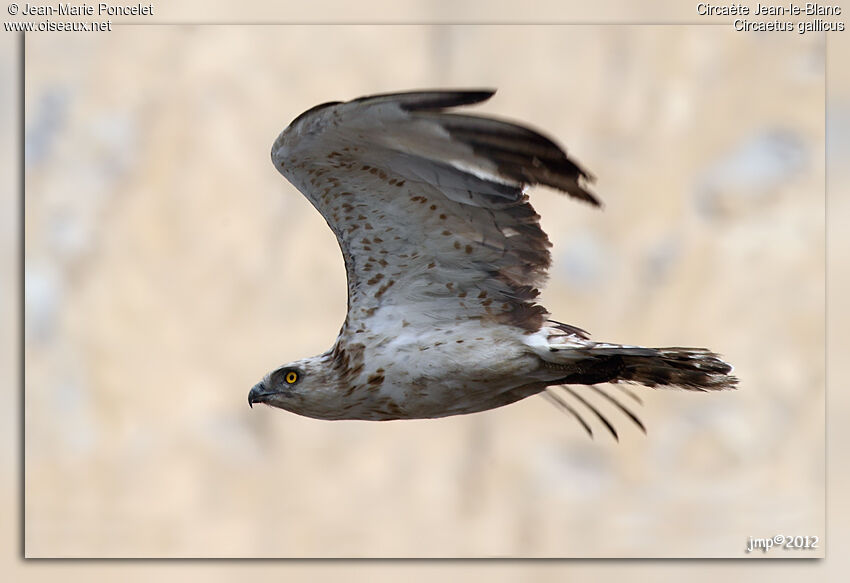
[258, 394]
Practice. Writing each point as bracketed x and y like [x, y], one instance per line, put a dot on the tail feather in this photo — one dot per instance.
[569, 357]
[696, 369]
[693, 369]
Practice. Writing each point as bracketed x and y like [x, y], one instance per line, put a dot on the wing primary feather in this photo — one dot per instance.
[595, 411]
[624, 389]
[500, 134]
[556, 400]
[313, 110]
[430, 100]
[621, 407]
[518, 152]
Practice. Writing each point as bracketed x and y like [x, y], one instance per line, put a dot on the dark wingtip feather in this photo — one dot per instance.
[621, 407]
[520, 153]
[555, 399]
[312, 110]
[625, 390]
[595, 411]
[431, 100]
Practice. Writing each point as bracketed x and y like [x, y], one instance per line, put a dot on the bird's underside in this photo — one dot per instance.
[444, 256]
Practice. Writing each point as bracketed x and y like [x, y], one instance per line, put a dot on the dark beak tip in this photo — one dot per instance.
[257, 394]
[252, 396]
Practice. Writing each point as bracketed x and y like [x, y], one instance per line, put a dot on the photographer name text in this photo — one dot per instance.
[99, 9]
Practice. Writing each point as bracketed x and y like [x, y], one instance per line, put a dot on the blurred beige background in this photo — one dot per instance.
[168, 266]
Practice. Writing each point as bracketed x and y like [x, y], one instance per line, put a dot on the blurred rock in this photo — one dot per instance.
[754, 171]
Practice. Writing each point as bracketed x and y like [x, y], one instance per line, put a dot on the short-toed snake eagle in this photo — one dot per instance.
[444, 257]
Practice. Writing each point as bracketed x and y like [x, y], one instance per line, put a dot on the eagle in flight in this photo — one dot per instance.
[444, 256]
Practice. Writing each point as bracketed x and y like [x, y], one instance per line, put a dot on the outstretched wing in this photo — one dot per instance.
[428, 206]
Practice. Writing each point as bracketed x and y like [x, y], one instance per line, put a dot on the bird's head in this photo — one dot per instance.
[277, 387]
[303, 387]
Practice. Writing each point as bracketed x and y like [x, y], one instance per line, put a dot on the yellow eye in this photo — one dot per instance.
[291, 377]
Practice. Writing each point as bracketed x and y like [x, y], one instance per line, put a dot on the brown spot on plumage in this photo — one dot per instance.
[375, 379]
[527, 316]
[392, 408]
[384, 288]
